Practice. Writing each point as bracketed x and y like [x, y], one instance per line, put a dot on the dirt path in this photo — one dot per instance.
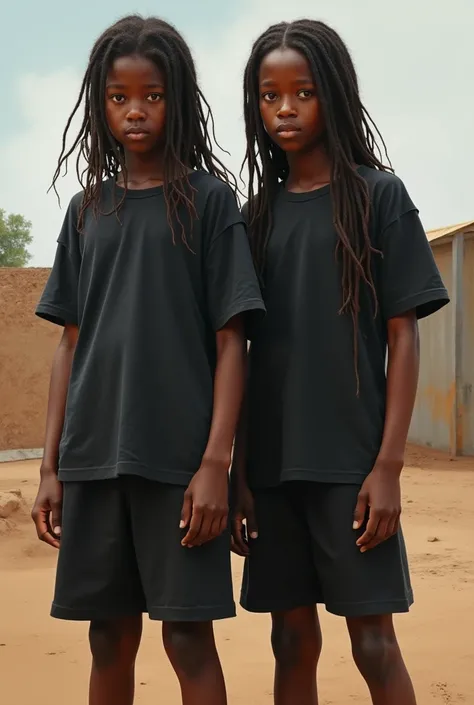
[44, 661]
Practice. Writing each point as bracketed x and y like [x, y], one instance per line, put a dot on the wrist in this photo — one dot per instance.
[48, 468]
[216, 463]
[390, 464]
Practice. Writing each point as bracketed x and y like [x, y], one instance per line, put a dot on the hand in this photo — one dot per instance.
[380, 495]
[243, 510]
[206, 505]
[47, 508]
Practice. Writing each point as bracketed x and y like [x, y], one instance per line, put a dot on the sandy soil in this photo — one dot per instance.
[43, 660]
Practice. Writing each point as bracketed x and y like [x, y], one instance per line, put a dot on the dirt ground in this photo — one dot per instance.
[43, 660]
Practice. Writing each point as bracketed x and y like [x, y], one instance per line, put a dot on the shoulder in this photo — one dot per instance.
[389, 196]
[216, 202]
[209, 186]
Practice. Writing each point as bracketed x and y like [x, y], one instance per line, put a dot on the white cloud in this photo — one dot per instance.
[415, 65]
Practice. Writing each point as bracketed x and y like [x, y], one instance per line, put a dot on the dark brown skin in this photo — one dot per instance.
[289, 98]
[46, 512]
[135, 103]
[206, 501]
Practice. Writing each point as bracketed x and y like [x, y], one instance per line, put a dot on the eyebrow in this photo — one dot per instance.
[299, 81]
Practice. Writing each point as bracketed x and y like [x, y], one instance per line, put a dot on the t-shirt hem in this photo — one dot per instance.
[424, 303]
[112, 472]
[339, 477]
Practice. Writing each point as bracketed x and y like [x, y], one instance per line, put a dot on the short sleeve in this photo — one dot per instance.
[59, 301]
[231, 282]
[410, 278]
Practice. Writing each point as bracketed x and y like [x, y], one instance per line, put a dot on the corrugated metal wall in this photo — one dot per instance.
[432, 418]
[468, 349]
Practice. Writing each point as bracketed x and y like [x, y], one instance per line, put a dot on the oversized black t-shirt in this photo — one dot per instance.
[140, 396]
[306, 421]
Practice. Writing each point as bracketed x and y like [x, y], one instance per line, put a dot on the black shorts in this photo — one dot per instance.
[121, 555]
[306, 554]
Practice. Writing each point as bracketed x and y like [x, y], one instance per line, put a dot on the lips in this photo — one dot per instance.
[137, 134]
[287, 128]
[136, 131]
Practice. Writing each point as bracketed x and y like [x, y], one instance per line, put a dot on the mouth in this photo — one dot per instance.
[137, 134]
[287, 130]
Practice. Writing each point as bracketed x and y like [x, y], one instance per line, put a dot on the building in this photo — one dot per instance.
[444, 413]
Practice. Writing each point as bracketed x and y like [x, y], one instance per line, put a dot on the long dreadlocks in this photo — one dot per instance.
[189, 120]
[351, 139]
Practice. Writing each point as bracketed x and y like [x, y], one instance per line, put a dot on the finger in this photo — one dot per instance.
[237, 549]
[223, 524]
[194, 528]
[215, 529]
[251, 521]
[370, 531]
[186, 511]
[56, 518]
[360, 511]
[394, 526]
[205, 532]
[381, 535]
[41, 519]
[238, 536]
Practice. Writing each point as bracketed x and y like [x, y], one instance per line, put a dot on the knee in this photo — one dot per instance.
[189, 646]
[296, 638]
[376, 653]
[114, 641]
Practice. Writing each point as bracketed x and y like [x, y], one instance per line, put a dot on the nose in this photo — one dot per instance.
[287, 108]
[136, 112]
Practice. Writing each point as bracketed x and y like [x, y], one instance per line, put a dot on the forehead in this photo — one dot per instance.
[135, 69]
[284, 64]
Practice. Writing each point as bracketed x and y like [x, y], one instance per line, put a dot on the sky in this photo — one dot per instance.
[414, 59]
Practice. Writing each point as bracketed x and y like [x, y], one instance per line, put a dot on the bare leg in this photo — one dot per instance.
[378, 658]
[296, 642]
[114, 646]
[192, 652]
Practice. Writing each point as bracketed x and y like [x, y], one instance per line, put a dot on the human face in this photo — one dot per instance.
[135, 104]
[289, 106]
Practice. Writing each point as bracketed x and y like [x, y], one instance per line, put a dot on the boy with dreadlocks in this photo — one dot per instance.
[347, 271]
[152, 277]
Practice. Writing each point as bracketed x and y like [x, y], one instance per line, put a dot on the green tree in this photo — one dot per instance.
[15, 236]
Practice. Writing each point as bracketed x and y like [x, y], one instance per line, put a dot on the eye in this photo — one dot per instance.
[305, 94]
[117, 98]
[269, 97]
[154, 97]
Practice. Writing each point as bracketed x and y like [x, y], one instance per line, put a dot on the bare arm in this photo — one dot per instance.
[58, 388]
[47, 508]
[381, 490]
[228, 392]
[402, 382]
[206, 502]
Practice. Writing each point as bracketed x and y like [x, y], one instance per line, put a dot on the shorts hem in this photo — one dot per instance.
[370, 609]
[161, 614]
[341, 609]
[192, 614]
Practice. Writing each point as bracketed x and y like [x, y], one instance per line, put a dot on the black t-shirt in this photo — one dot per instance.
[306, 421]
[140, 396]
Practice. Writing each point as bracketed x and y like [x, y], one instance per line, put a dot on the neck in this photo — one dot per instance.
[144, 168]
[308, 170]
